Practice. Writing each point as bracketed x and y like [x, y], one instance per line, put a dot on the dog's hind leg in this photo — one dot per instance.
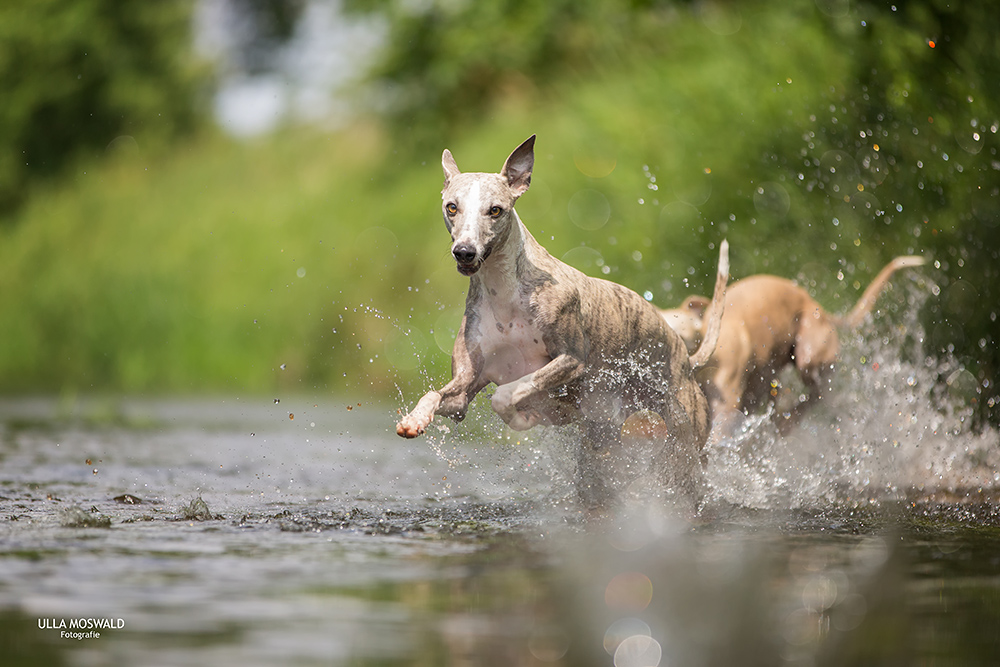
[725, 390]
[595, 483]
[682, 456]
[815, 351]
[650, 456]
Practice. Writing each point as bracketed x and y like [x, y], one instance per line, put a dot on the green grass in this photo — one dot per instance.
[318, 262]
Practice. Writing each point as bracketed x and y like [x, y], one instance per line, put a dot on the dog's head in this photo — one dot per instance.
[479, 208]
[687, 320]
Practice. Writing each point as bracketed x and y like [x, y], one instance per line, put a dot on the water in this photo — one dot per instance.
[304, 532]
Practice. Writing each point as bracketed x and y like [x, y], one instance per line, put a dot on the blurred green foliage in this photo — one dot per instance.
[820, 138]
[85, 77]
[448, 62]
[928, 83]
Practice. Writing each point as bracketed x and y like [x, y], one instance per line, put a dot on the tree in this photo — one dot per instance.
[451, 61]
[77, 74]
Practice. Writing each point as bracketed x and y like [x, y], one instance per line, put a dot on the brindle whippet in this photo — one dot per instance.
[563, 347]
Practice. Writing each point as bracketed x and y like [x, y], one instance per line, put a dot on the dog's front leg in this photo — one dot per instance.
[452, 400]
[526, 402]
[415, 422]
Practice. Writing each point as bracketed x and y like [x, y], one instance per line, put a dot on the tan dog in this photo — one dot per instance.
[562, 346]
[770, 323]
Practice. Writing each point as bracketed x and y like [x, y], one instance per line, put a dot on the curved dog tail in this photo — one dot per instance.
[864, 305]
[714, 322]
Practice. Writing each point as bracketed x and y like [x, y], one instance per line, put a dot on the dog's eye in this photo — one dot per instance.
[451, 208]
[495, 211]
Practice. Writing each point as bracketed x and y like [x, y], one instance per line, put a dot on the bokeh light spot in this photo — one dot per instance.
[629, 592]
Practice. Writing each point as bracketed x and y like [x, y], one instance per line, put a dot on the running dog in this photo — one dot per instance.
[563, 347]
[770, 323]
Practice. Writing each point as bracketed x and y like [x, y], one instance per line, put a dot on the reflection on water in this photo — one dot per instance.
[227, 533]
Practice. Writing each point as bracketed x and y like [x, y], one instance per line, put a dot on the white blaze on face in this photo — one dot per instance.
[467, 231]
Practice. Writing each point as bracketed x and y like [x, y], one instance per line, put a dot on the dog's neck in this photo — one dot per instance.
[500, 276]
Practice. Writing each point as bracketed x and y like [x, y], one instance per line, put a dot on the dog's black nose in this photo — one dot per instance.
[464, 253]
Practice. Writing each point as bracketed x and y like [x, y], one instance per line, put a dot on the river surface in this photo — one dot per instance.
[302, 531]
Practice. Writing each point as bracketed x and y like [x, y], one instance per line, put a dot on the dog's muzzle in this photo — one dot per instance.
[467, 258]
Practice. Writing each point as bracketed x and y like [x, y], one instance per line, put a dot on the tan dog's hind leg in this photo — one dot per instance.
[728, 383]
[815, 350]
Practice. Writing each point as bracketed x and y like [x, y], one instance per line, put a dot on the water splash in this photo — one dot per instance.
[887, 431]
[895, 426]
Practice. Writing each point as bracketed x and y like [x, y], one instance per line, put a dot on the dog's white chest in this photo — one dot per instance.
[512, 346]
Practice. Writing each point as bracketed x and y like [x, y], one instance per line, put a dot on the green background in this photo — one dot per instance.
[143, 251]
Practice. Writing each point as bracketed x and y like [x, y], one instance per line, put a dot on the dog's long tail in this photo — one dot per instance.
[718, 305]
[864, 305]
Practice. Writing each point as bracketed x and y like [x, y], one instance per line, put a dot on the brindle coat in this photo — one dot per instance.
[561, 346]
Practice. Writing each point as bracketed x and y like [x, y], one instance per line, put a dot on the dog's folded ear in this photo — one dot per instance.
[517, 168]
[449, 165]
[697, 304]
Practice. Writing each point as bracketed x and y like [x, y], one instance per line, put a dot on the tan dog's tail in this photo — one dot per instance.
[864, 305]
[714, 322]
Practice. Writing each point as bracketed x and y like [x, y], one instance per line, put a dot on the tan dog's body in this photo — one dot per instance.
[561, 346]
[770, 323]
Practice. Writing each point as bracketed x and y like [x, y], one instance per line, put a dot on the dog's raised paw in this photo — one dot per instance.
[408, 430]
